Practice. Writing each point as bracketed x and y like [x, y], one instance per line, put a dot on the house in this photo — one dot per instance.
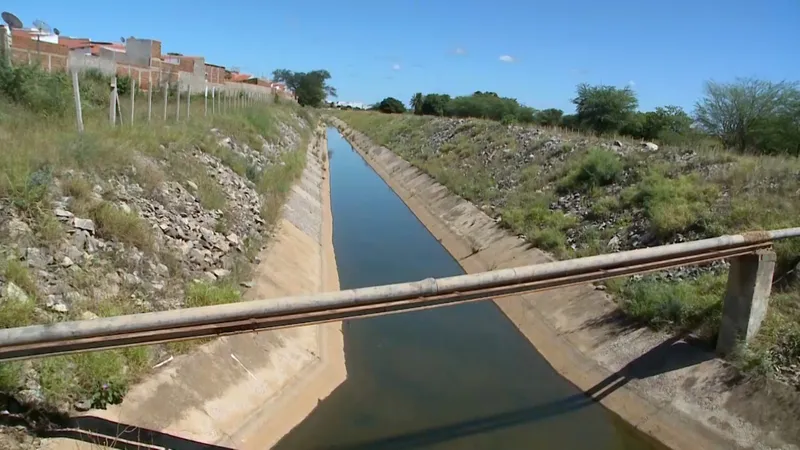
[215, 73]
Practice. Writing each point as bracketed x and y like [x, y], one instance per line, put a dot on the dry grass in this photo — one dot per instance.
[37, 157]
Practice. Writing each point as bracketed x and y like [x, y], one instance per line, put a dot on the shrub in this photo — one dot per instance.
[596, 168]
[42, 92]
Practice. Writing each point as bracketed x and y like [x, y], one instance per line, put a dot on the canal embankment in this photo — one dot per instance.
[247, 391]
[668, 388]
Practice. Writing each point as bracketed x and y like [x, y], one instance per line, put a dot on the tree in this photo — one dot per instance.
[549, 117]
[416, 103]
[604, 109]
[435, 104]
[744, 113]
[391, 105]
[665, 123]
[311, 88]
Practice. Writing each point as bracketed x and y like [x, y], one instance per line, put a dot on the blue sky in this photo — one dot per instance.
[377, 48]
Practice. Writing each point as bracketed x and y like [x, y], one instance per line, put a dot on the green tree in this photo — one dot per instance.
[416, 103]
[549, 117]
[435, 104]
[604, 109]
[311, 88]
[391, 105]
[749, 113]
[666, 123]
[570, 121]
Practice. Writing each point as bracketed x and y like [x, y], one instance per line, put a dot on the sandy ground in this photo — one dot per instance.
[677, 393]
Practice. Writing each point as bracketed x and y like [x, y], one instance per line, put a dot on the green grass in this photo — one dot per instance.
[673, 304]
[208, 294]
[673, 205]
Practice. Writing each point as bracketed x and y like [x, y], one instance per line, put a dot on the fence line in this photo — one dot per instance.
[224, 99]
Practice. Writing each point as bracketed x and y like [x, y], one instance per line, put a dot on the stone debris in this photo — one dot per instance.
[85, 267]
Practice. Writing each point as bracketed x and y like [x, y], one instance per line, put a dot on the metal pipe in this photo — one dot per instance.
[348, 312]
[583, 269]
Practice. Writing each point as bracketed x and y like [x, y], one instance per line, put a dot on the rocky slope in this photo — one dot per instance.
[176, 224]
[576, 195]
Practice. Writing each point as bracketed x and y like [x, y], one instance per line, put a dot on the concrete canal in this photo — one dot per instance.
[459, 377]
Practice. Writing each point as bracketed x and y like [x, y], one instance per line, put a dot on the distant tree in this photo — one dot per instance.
[435, 104]
[489, 105]
[549, 117]
[665, 122]
[750, 113]
[416, 103]
[570, 121]
[391, 105]
[604, 109]
[311, 88]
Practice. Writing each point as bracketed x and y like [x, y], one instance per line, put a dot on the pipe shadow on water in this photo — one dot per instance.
[676, 353]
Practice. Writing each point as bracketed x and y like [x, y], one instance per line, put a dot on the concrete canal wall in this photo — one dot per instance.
[675, 392]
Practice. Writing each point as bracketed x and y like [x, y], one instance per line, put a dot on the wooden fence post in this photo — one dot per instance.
[188, 101]
[112, 112]
[166, 99]
[133, 99]
[76, 92]
[178, 102]
[149, 95]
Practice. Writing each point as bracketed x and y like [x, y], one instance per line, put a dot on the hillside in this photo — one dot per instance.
[577, 195]
[125, 220]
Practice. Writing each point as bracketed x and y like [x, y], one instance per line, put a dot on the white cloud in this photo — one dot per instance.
[460, 51]
[395, 66]
[507, 59]
[631, 83]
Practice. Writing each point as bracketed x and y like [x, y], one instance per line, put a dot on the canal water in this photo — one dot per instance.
[459, 377]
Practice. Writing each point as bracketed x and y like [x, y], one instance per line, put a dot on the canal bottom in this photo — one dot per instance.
[459, 377]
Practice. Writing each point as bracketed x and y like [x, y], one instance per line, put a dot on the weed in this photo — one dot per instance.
[77, 187]
[676, 304]
[11, 373]
[207, 294]
[596, 168]
[16, 272]
[127, 227]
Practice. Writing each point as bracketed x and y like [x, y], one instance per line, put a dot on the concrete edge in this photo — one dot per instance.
[298, 398]
[658, 421]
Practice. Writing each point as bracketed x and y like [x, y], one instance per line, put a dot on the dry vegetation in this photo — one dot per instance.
[576, 195]
[44, 163]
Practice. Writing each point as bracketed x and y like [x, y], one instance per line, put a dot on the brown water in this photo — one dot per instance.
[460, 377]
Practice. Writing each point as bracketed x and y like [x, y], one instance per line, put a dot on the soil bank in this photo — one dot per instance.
[249, 390]
[675, 392]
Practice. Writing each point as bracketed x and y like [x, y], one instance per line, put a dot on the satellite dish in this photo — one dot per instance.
[42, 26]
[122, 39]
[12, 20]
[57, 32]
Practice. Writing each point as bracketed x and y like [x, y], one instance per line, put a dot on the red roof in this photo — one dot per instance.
[96, 46]
[73, 43]
[240, 77]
